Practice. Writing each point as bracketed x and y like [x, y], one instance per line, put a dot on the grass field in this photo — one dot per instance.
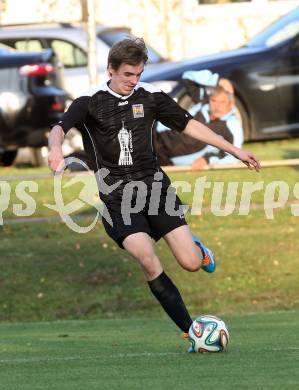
[147, 353]
[48, 272]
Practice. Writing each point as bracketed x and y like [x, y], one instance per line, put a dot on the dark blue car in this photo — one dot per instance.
[265, 75]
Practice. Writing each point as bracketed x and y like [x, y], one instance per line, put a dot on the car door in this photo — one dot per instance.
[255, 78]
[288, 86]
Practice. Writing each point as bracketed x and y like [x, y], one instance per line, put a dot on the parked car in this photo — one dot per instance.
[70, 43]
[265, 75]
[31, 98]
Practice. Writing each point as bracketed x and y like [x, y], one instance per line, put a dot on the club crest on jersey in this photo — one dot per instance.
[138, 111]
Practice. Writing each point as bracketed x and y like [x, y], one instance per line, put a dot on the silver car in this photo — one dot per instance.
[69, 42]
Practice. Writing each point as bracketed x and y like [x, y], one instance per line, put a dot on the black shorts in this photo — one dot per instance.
[148, 204]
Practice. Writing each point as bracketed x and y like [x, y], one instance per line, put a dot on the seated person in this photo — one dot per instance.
[214, 106]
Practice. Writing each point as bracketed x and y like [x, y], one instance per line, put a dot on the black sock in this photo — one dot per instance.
[170, 299]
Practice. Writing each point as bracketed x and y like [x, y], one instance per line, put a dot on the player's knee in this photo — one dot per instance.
[150, 264]
[192, 264]
[193, 267]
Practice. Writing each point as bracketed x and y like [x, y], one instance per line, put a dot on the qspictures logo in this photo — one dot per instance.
[23, 199]
[86, 196]
[224, 199]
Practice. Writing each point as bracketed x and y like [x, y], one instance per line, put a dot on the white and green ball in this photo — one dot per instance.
[208, 334]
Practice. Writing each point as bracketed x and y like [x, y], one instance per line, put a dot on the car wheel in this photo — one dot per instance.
[8, 157]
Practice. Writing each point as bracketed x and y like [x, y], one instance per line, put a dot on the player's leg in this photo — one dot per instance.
[141, 247]
[189, 251]
[170, 224]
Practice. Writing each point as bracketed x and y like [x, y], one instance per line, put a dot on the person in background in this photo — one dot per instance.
[214, 106]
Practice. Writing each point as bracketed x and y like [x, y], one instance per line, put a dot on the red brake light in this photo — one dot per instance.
[58, 107]
[36, 69]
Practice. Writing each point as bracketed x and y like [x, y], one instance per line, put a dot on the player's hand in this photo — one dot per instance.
[55, 159]
[248, 158]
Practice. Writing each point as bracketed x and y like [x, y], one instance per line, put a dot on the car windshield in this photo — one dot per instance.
[112, 36]
[280, 31]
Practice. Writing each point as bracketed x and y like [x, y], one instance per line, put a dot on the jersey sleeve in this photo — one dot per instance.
[76, 113]
[170, 113]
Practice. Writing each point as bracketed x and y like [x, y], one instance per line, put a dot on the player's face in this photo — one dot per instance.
[220, 105]
[125, 78]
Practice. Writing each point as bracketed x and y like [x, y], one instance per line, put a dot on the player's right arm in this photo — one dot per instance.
[173, 116]
[75, 115]
[55, 156]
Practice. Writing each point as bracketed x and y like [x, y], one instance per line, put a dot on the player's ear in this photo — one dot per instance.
[110, 70]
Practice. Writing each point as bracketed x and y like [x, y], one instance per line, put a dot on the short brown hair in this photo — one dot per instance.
[131, 51]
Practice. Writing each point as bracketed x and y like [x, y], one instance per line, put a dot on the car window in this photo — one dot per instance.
[288, 32]
[28, 45]
[278, 32]
[71, 55]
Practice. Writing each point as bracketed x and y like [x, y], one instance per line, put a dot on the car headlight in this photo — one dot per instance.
[10, 102]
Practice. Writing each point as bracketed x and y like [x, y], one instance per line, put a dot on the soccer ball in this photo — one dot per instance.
[208, 334]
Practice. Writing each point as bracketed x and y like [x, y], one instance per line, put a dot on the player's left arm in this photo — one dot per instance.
[203, 133]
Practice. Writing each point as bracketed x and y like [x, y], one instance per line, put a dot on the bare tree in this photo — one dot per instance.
[167, 9]
[3, 6]
[88, 19]
[84, 11]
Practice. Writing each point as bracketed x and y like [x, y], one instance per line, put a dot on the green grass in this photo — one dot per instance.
[49, 272]
[275, 150]
[147, 353]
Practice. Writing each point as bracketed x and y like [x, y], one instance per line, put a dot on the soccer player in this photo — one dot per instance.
[116, 125]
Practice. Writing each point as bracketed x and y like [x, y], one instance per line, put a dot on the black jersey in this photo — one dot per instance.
[117, 130]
